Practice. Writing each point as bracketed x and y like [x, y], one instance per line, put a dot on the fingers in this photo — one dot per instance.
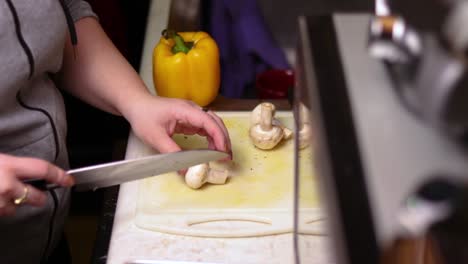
[9, 188]
[30, 168]
[182, 172]
[12, 189]
[165, 145]
[14, 193]
[164, 142]
[220, 123]
[35, 197]
[32, 195]
[213, 127]
[178, 116]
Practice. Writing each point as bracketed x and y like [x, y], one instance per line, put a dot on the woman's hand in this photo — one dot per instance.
[155, 119]
[98, 74]
[14, 169]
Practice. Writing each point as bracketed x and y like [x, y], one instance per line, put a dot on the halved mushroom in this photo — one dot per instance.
[265, 134]
[200, 174]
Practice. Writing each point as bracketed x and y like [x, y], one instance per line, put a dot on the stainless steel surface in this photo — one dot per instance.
[114, 173]
[301, 104]
[398, 151]
[390, 37]
[433, 83]
[307, 86]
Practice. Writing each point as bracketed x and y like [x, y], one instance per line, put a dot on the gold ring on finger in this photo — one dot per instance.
[23, 197]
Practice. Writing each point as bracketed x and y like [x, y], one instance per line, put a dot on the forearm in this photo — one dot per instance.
[101, 76]
[97, 73]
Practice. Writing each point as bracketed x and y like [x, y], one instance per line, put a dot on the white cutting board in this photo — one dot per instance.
[257, 200]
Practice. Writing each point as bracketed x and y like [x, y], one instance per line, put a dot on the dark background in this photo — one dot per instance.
[93, 133]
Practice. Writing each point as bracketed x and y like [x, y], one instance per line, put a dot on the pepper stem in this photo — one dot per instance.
[180, 44]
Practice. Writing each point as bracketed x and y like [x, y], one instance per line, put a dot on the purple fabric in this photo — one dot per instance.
[246, 45]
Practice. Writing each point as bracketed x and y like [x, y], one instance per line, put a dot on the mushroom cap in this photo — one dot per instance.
[196, 175]
[265, 139]
[255, 116]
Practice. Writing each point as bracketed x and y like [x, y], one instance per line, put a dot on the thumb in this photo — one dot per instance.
[164, 143]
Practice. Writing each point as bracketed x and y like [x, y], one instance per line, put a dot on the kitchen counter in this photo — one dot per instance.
[128, 242]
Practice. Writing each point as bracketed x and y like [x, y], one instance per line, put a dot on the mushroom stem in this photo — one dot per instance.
[287, 132]
[216, 176]
[266, 115]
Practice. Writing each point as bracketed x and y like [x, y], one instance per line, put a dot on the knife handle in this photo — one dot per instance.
[41, 184]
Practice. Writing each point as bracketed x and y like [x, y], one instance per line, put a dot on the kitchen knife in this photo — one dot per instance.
[114, 173]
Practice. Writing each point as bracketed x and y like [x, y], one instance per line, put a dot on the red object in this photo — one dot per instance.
[274, 84]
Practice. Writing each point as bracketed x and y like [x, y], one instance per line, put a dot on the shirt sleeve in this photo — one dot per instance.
[79, 9]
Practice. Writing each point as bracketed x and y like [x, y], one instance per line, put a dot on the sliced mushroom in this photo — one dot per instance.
[266, 135]
[200, 174]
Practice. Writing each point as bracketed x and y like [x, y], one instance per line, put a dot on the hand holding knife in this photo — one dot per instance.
[114, 173]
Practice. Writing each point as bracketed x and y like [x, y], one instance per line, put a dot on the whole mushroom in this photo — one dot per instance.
[255, 118]
[265, 134]
[200, 174]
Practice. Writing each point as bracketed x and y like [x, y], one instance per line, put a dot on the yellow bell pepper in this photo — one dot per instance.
[186, 65]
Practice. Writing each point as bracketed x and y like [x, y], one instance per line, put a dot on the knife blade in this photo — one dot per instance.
[114, 173]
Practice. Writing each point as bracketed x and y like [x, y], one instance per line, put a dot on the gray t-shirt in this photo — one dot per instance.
[32, 114]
